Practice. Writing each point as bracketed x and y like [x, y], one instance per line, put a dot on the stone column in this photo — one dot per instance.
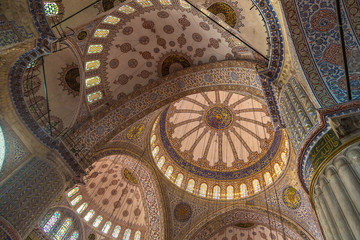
[330, 220]
[351, 215]
[27, 194]
[322, 217]
[337, 196]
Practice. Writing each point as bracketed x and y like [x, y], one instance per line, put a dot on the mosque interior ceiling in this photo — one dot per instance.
[187, 121]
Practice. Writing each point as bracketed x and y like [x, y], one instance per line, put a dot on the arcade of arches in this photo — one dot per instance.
[179, 119]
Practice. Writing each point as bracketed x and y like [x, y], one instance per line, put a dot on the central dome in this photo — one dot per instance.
[218, 137]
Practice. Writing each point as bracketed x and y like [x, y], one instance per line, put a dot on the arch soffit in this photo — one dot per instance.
[152, 191]
[227, 75]
[234, 214]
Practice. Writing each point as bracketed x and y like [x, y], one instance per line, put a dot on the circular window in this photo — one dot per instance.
[51, 8]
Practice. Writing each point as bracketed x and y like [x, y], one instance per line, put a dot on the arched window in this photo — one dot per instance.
[111, 20]
[50, 224]
[203, 190]
[93, 81]
[145, 3]
[63, 229]
[268, 179]
[73, 192]
[137, 235]
[2, 148]
[169, 171]
[190, 186]
[126, 9]
[51, 9]
[106, 227]
[89, 215]
[127, 234]
[216, 192]
[76, 200]
[243, 190]
[277, 169]
[97, 221]
[284, 157]
[161, 162]
[101, 33]
[184, 4]
[82, 208]
[155, 151]
[230, 192]
[256, 185]
[74, 236]
[92, 97]
[179, 179]
[116, 231]
[153, 138]
[165, 2]
[91, 65]
[95, 48]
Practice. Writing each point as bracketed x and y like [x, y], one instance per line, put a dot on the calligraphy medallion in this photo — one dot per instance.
[219, 117]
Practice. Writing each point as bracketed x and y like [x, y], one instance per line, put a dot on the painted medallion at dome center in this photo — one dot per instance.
[219, 117]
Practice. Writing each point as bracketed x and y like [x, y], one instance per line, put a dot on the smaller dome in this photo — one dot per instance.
[111, 202]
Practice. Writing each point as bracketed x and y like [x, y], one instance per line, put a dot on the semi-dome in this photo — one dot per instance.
[219, 144]
[112, 200]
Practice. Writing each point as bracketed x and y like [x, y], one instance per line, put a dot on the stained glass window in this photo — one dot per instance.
[203, 190]
[256, 185]
[190, 186]
[116, 231]
[137, 235]
[283, 157]
[179, 179]
[216, 192]
[76, 200]
[2, 148]
[92, 97]
[101, 33]
[93, 81]
[89, 215]
[82, 208]
[106, 227]
[243, 190]
[155, 151]
[126, 9]
[74, 236]
[127, 234]
[277, 169]
[111, 20]
[97, 221]
[161, 162]
[165, 2]
[97, 48]
[184, 4]
[73, 192]
[63, 229]
[268, 178]
[49, 225]
[51, 8]
[169, 171]
[153, 138]
[230, 192]
[91, 65]
[145, 3]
